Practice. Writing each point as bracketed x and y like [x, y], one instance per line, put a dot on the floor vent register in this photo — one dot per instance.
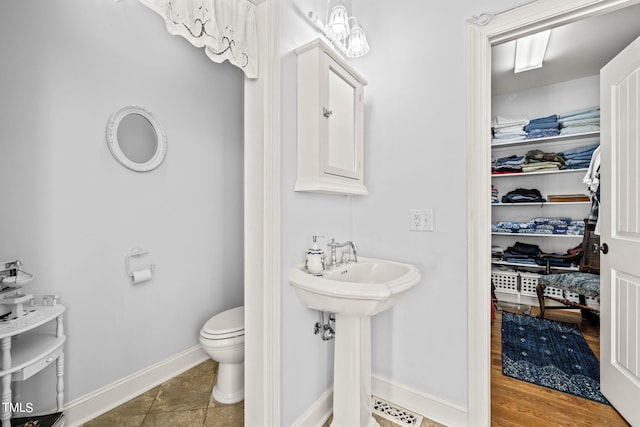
[395, 413]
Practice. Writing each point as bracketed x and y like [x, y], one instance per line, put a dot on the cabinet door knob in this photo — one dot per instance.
[326, 112]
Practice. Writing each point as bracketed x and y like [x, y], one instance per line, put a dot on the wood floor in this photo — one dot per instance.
[517, 403]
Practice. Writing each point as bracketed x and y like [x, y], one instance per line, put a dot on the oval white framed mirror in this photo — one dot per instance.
[136, 139]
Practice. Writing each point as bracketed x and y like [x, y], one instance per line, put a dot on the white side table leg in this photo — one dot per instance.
[5, 347]
[17, 389]
[60, 381]
[59, 326]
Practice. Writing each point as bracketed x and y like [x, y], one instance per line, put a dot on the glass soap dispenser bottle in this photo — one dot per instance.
[315, 259]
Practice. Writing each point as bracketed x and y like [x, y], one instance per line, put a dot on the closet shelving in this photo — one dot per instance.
[549, 139]
[515, 282]
[558, 172]
[497, 205]
[560, 236]
[529, 266]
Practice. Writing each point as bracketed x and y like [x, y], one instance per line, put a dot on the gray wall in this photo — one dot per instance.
[307, 361]
[72, 213]
[415, 133]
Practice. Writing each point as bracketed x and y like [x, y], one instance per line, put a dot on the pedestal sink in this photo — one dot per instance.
[354, 292]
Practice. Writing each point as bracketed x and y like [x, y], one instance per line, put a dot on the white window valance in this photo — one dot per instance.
[226, 29]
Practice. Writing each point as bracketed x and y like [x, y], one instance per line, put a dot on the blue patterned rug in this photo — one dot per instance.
[551, 354]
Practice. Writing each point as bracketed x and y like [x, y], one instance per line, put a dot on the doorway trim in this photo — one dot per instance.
[262, 242]
[509, 25]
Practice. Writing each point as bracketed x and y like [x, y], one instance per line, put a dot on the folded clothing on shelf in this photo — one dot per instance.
[538, 160]
[511, 129]
[508, 129]
[522, 253]
[496, 252]
[580, 121]
[523, 195]
[541, 225]
[529, 254]
[511, 163]
[543, 127]
[495, 195]
[580, 157]
[538, 166]
[541, 156]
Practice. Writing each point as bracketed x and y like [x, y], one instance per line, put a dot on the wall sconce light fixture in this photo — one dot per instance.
[337, 23]
[343, 30]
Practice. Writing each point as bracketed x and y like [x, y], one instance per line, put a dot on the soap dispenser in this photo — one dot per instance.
[315, 259]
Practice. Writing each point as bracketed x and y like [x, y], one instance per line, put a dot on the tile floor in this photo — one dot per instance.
[181, 401]
[185, 401]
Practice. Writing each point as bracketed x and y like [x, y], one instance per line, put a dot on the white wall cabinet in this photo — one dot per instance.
[330, 122]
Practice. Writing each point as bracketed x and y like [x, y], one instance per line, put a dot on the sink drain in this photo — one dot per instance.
[395, 413]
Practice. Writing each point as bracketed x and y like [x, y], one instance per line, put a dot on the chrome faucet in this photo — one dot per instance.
[333, 245]
[13, 264]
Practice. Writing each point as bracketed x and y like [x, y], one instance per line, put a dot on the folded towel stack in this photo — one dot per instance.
[580, 121]
[508, 129]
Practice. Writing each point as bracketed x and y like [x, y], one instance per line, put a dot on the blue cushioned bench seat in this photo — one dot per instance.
[587, 284]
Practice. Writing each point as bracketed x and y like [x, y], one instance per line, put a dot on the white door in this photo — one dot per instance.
[620, 230]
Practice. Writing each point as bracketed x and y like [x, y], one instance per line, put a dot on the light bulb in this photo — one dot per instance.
[338, 23]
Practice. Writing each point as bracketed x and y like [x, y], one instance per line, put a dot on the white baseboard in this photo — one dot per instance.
[318, 413]
[430, 407]
[87, 407]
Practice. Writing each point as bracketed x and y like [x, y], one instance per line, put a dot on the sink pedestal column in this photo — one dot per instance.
[352, 372]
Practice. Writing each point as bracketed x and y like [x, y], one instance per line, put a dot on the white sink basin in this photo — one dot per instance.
[21, 279]
[364, 288]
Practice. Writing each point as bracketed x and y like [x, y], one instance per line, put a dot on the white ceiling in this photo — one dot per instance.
[575, 50]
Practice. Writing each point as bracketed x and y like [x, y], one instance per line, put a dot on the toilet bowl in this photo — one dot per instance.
[222, 338]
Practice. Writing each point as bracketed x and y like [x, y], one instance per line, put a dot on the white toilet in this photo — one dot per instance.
[222, 337]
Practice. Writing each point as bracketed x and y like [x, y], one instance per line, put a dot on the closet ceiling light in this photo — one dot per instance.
[530, 51]
[342, 30]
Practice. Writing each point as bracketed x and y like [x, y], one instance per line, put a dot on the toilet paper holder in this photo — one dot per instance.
[133, 275]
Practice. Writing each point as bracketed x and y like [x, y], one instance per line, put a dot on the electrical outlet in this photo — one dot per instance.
[421, 220]
[415, 220]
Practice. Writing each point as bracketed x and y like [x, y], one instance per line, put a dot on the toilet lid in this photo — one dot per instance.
[226, 322]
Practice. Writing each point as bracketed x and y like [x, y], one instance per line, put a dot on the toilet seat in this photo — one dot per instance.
[228, 324]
